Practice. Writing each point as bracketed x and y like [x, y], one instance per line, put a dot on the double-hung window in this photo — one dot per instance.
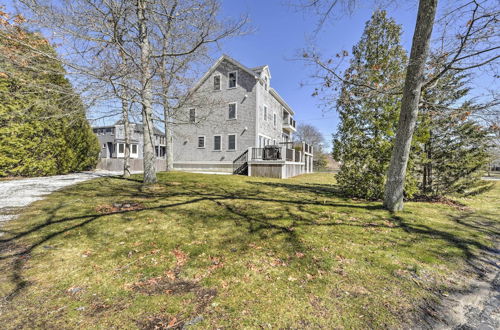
[232, 111]
[217, 143]
[201, 142]
[233, 77]
[121, 150]
[217, 83]
[192, 115]
[231, 142]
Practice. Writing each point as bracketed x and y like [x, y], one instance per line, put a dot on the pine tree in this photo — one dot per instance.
[43, 129]
[455, 147]
[368, 118]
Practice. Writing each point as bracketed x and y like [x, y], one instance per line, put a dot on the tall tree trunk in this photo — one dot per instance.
[169, 144]
[167, 116]
[427, 177]
[168, 139]
[166, 112]
[125, 104]
[430, 164]
[149, 156]
[394, 187]
[126, 124]
[424, 176]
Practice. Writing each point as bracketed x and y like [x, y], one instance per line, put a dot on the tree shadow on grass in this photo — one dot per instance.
[254, 221]
[464, 243]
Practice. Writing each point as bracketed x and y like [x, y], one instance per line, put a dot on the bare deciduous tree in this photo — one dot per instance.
[132, 46]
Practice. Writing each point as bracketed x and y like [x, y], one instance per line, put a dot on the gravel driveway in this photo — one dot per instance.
[16, 194]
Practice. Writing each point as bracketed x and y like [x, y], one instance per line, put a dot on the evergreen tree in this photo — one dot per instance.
[455, 147]
[43, 129]
[368, 118]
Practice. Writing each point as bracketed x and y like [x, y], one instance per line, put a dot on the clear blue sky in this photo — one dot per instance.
[280, 33]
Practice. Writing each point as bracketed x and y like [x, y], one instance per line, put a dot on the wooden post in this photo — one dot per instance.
[249, 158]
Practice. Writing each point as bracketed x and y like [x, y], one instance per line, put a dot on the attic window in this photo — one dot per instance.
[217, 83]
[266, 84]
[232, 79]
[192, 115]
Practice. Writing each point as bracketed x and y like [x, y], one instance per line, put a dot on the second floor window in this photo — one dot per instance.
[232, 79]
[232, 111]
[265, 113]
[274, 119]
[192, 115]
[217, 142]
[134, 149]
[216, 83]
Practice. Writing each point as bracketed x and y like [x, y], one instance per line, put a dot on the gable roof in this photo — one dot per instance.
[261, 68]
[140, 127]
[224, 57]
[255, 72]
[280, 100]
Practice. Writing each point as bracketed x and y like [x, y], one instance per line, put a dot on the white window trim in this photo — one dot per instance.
[213, 140]
[264, 138]
[266, 109]
[220, 82]
[118, 153]
[229, 79]
[235, 111]
[132, 154]
[235, 142]
[204, 142]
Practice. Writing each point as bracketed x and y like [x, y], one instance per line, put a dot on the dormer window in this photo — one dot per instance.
[217, 83]
[233, 77]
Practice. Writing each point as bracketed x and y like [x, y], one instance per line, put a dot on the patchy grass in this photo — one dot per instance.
[233, 252]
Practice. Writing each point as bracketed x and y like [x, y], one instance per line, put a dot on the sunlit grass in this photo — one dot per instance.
[232, 251]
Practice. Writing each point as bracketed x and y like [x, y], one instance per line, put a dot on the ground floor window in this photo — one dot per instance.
[264, 141]
[201, 142]
[231, 142]
[120, 150]
[217, 142]
[133, 150]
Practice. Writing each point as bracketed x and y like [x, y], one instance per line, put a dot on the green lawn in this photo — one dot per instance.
[233, 252]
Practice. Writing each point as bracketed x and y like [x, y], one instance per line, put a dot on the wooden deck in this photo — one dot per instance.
[281, 163]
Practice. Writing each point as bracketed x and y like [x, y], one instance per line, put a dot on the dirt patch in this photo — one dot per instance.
[473, 308]
[118, 207]
[440, 200]
[164, 285]
[167, 285]
[157, 322]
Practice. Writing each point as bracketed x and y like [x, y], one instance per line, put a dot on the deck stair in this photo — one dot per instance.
[240, 164]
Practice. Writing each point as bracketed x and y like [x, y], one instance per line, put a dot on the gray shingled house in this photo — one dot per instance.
[248, 130]
[112, 141]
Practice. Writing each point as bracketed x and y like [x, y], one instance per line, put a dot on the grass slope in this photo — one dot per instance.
[235, 252]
